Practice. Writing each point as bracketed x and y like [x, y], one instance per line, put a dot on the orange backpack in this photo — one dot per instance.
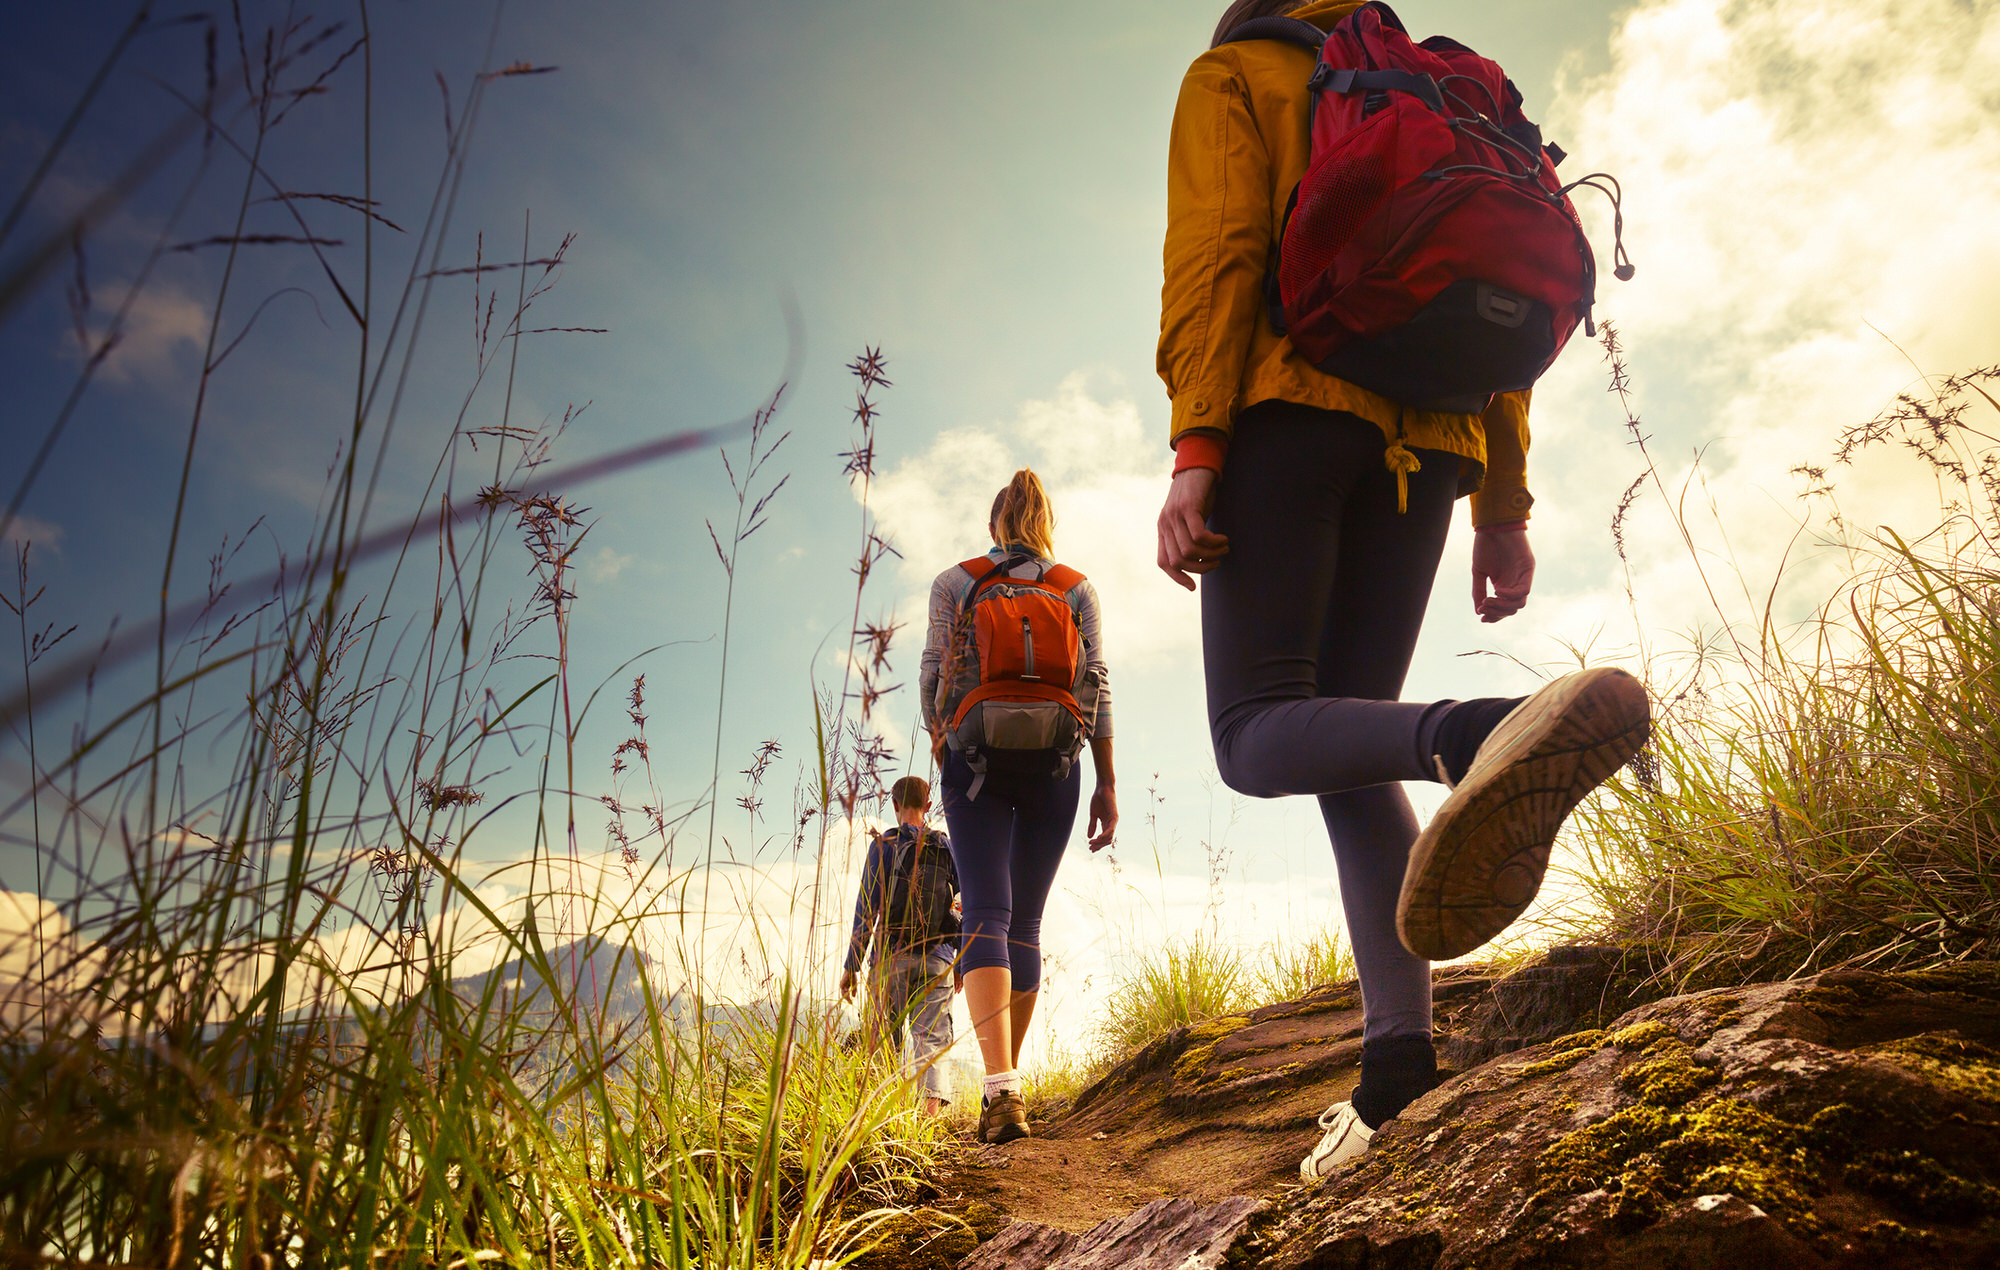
[1019, 649]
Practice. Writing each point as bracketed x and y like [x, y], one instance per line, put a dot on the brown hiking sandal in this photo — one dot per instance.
[1003, 1118]
[1479, 862]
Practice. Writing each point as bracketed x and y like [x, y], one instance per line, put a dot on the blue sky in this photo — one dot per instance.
[977, 189]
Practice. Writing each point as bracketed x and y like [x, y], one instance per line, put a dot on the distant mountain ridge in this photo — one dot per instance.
[607, 975]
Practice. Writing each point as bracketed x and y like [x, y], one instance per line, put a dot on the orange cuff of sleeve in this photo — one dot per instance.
[1200, 449]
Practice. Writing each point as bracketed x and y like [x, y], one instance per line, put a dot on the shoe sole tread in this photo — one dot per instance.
[1504, 816]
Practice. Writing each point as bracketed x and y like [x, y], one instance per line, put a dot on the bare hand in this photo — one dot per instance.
[847, 985]
[1502, 560]
[1103, 817]
[957, 979]
[1186, 543]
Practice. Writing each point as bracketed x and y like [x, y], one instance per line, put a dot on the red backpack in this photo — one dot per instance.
[1018, 667]
[1429, 253]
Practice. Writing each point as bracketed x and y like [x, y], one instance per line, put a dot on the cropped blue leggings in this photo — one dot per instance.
[1007, 844]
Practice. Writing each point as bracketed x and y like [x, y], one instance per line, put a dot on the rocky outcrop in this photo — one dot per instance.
[1226, 1107]
[1167, 1234]
[1849, 1119]
[1234, 1096]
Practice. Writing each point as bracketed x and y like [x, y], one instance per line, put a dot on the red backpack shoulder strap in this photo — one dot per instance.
[1062, 577]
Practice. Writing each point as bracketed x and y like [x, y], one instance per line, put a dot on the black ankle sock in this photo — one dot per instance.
[1463, 728]
[1395, 1072]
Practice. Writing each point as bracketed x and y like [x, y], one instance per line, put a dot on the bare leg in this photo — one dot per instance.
[990, 997]
[1021, 1010]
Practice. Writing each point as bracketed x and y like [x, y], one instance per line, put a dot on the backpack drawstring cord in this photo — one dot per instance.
[1623, 269]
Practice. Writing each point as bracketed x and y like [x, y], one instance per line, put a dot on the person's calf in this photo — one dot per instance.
[1449, 740]
[1395, 1072]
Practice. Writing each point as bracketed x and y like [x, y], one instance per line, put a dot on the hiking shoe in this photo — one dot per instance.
[1003, 1118]
[1479, 862]
[1345, 1139]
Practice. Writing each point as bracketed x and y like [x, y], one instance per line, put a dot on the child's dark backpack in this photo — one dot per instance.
[920, 888]
[1430, 253]
[1019, 666]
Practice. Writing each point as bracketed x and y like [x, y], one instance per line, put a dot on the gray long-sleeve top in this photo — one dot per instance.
[948, 594]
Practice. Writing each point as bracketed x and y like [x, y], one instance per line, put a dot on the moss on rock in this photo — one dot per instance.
[1564, 1053]
[1921, 1186]
[1971, 978]
[1894, 1236]
[1640, 1035]
[1671, 1079]
[1560, 1062]
[1648, 1156]
[1722, 1010]
[1960, 1065]
[1201, 1038]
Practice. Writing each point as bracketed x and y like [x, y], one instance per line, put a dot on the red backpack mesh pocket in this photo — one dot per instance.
[1335, 200]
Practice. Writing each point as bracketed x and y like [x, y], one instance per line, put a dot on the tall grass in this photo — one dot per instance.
[1187, 979]
[1829, 795]
[268, 1008]
[1198, 974]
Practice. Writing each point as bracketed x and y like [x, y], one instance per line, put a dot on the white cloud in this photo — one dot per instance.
[606, 565]
[35, 533]
[162, 336]
[28, 926]
[1105, 474]
[1793, 173]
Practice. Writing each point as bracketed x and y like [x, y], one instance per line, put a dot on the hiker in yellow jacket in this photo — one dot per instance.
[1315, 512]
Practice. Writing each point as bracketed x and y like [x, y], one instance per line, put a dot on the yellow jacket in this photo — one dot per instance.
[1239, 146]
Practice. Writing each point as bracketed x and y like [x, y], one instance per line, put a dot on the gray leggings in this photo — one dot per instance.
[1308, 625]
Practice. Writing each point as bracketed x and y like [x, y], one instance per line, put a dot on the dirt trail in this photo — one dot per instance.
[1228, 1107]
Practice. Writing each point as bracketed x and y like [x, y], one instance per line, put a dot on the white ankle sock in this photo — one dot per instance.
[1002, 1083]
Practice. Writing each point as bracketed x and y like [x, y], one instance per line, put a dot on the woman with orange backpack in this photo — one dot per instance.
[1014, 686]
[1315, 509]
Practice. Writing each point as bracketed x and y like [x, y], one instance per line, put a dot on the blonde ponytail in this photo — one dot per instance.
[1022, 516]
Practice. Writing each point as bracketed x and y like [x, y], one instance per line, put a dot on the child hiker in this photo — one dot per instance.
[904, 908]
[1315, 512]
[1014, 686]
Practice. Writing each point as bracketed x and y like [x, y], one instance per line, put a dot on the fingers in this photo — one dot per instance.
[1503, 572]
[1197, 542]
[1184, 551]
[1494, 610]
[1103, 824]
[1504, 602]
[1510, 596]
[1187, 545]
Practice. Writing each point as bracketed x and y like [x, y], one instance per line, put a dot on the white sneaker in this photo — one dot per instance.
[1345, 1139]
